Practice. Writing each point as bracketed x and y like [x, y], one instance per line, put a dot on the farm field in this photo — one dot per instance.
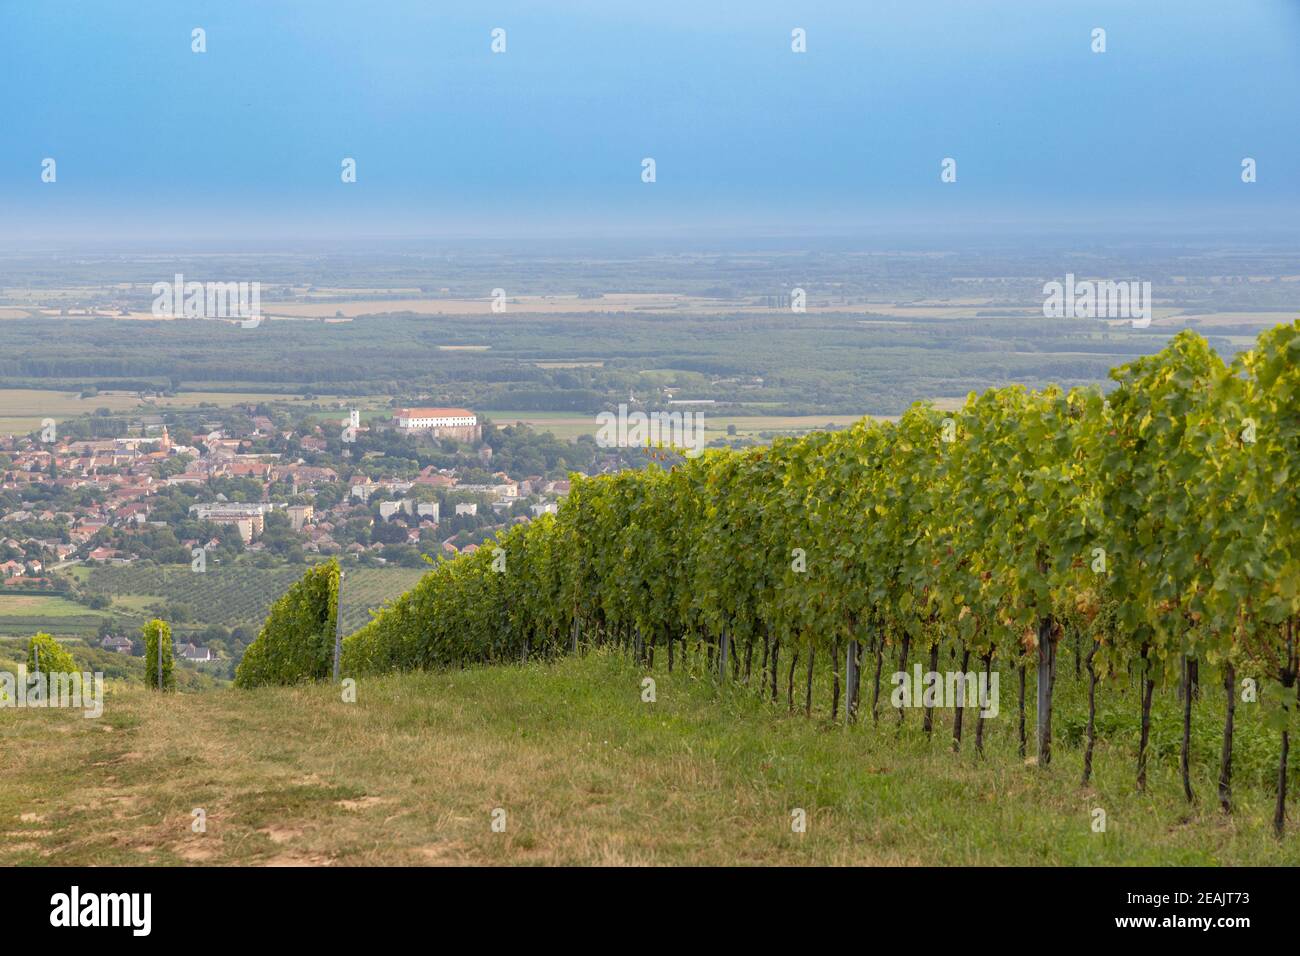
[22, 409]
[346, 305]
[563, 425]
[588, 773]
[1247, 320]
[571, 425]
[350, 304]
[229, 597]
[22, 615]
[40, 605]
[875, 356]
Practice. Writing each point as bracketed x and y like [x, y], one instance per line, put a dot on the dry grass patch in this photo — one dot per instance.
[585, 772]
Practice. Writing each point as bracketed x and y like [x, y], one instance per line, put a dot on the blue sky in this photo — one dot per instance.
[246, 140]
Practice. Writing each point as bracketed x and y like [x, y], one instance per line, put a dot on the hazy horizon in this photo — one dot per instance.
[245, 141]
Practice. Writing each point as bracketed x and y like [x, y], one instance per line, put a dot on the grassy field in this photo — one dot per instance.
[23, 409]
[40, 605]
[25, 614]
[588, 773]
[565, 425]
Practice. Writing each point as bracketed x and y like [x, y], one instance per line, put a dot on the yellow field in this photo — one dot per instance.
[557, 304]
[23, 409]
[1252, 319]
[42, 606]
[314, 304]
[571, 425]
[527, 304]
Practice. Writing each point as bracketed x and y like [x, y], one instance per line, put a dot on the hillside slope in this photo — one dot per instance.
[586, 772]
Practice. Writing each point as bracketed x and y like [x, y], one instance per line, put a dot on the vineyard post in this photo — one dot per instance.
[1185, 755]
[1022, 709]
[789, 680]
[160, 661]
[1046, 667]
[1225, 760]
[979, 723]
[1148, 688]
[808, 686]
[875, 694]
[724, 647]
[37, 649]
[776, 653]
[857, 676]
[902, 668]
[961, 703]
[835, 678]
[338, 626]
[1091, 733]
[928, 723]
[1279, 811]
[1288, 679]
[851, 681]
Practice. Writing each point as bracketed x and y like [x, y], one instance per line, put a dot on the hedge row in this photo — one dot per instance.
[296, 643]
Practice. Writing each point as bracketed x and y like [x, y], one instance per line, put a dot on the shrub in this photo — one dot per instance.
[53, 658]
[296, 643]
[154, 632]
